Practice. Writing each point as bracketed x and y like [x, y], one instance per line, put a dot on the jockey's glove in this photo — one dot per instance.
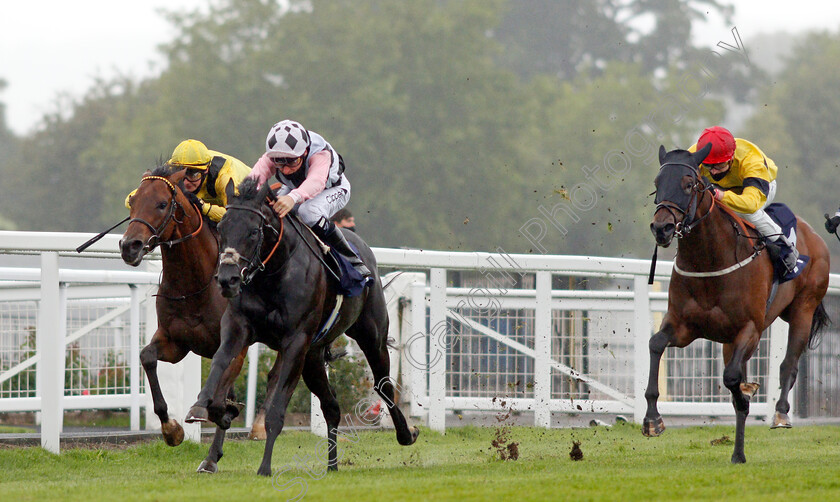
[831, 223]
[193, 198]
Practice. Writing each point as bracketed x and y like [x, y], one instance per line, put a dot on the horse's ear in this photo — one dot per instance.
[264, 192]
[662, 153]
[147, 173]
[701, 154]
[230, 190]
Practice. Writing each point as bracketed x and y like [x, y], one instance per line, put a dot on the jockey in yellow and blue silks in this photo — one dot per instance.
[208, 174]
[745, 180]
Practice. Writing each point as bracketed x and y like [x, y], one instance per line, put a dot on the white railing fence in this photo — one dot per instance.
[474, 331]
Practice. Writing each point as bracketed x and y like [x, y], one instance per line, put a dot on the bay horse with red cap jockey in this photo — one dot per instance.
[722, 290]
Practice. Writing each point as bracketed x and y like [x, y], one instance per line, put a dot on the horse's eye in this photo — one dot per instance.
[162, 205]
[254, 233]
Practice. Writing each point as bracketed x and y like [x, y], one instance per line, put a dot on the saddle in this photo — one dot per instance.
[785, 218]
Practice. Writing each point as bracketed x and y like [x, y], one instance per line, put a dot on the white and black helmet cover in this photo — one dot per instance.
[286, 138]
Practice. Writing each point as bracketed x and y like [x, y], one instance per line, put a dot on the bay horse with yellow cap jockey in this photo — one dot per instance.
[166, 212]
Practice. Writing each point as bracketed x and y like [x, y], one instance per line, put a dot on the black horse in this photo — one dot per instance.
[283, 295]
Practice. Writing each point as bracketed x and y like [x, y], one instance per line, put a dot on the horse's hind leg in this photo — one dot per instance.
[258, 428]
[162, 349]
[798, 333]
[371, 339]
[315, 377]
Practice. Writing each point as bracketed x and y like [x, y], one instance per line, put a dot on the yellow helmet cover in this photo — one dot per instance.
[191, 154]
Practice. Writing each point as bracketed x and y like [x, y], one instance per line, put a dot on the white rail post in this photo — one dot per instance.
[542, 349]
[152, 422]
[416, 348]
[437, 350]
[191, 378]
[778, 347]
[317, 422]
[253, 375]
[641, 337]
[50, 344]
[134, 356]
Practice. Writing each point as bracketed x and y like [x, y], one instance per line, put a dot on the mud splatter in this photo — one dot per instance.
[576, 453]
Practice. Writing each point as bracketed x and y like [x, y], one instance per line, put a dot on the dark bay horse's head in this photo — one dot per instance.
[678, 190]
[242, 235]
[157, 207]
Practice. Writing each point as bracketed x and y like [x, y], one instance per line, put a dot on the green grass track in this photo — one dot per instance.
[618, 464]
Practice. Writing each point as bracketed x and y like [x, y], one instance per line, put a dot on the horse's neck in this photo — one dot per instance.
[190, 260]
[712, 243]
[292, 245]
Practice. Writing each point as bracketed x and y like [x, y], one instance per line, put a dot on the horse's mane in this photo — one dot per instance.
[248, 189]
[161, 170]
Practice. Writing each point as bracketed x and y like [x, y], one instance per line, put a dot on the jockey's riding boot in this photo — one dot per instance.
[790, 258]
[333, 238]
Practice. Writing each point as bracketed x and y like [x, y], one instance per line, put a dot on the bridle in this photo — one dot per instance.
[698, 190]
[253, 265]
[155, 239]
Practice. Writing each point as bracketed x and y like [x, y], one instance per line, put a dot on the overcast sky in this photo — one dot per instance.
[48, 47]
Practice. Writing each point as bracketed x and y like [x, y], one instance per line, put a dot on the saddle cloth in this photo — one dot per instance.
[785, 218]
[351, 282]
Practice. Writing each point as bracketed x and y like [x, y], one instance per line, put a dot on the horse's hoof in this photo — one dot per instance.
[414, 432]
[264, 471]
[653, 427]
[749, 389]
[781, 421]
[172, 432]
[257, 432]
[196, 414]
[208, 466]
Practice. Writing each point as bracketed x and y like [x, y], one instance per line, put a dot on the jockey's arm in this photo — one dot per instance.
[750, 200]
[316, 178]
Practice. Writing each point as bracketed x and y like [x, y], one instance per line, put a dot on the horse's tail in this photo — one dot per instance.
[329, 357]
[818, 324]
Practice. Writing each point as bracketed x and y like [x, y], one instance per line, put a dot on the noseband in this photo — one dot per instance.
[155, 240]
[253, 265]
[689, 212]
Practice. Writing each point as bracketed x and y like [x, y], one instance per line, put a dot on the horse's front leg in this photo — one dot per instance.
[291, 359]
[235, 333]
[161, 348]
[653, 425]
[734, 376]
[224, 408]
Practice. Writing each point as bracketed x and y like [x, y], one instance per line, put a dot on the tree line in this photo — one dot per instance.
[526, 125]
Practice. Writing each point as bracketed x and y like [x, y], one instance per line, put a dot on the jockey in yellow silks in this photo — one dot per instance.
[208, 174]
[745, 181]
